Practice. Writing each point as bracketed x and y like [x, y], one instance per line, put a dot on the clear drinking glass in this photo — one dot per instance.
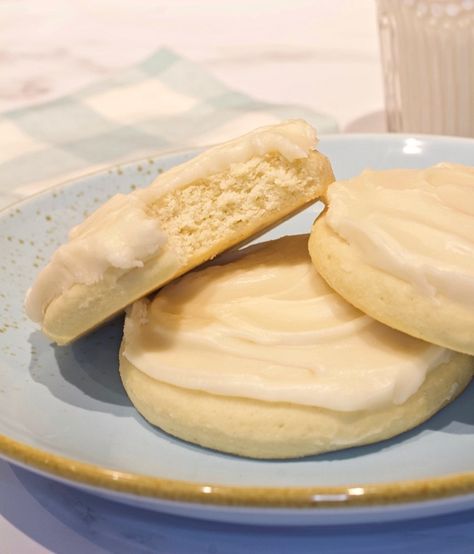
[427, 49]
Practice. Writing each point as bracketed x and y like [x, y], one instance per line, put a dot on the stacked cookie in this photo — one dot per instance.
[136, 243]
[276, 353]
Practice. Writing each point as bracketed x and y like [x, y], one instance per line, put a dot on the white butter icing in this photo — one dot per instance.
[267, 327]
[293, 139]
[120, 234]
[417, 225]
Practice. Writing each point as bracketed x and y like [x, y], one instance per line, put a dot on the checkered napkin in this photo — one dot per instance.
[162, 104]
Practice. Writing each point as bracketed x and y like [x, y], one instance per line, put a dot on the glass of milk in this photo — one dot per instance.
[427, 49]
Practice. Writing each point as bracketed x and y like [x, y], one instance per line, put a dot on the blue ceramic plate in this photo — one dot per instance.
[64, 413]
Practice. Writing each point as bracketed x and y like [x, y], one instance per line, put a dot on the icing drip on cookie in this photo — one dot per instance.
[122, 235]
[118, 235]
[417, 225]
[266, 326]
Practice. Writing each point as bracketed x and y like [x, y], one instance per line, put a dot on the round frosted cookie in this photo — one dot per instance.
[259, 357]
[399, 245]
[135, 243]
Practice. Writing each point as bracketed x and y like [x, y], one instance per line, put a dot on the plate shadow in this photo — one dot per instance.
[88, 369]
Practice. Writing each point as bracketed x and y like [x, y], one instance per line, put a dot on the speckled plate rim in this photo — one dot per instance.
[207, 493]
[356, 495]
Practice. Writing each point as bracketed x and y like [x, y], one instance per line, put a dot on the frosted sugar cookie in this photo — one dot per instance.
[259, 357]
[399, 245]
[135, 243]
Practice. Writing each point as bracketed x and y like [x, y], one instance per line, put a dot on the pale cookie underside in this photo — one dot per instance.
[261, 429]
[291, 187]
[387, 298]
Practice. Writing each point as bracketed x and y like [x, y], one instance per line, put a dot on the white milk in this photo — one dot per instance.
[428, 61]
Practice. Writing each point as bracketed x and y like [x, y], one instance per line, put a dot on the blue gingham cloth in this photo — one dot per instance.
[164, 103]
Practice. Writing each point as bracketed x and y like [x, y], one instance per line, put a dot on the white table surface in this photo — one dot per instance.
[318, 53]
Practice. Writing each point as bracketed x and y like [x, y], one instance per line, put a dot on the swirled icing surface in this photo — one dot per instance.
[417, 225]
[266, 326]
[120, 234]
